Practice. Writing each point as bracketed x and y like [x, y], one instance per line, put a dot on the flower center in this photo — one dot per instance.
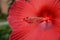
[47, 15]
[46, 24]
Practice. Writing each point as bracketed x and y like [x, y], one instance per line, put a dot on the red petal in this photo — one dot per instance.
[21, 30]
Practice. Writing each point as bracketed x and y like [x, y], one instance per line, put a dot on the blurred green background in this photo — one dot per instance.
[4, 27]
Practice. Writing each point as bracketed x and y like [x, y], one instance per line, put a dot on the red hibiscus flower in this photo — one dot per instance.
[35, 20]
